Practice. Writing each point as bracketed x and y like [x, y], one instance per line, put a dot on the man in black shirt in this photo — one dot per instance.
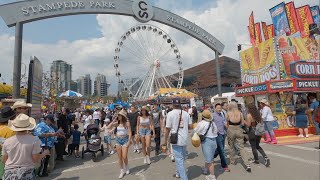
[133, 118]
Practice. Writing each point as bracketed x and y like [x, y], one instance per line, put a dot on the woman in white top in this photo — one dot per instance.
[123, 139]
[267, 118]
[209, 130]
[144, 127]
[88, 120]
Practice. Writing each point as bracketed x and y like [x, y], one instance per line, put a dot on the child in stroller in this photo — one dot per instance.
[93, 139]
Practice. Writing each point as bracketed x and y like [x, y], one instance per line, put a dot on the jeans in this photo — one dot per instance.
[179, 157]
[209, 147]
[269, 128]
[107, 139]
[157, 138]
[255, 145]
[220, 150]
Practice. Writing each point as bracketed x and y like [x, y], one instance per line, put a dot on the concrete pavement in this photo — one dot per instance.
[291, 162]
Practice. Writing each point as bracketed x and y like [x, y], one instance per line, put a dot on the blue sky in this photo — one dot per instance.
[88, 41]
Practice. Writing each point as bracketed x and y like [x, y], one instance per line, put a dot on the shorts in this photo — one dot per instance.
[107, 139]
[75, 147]
[209, 146]
[144, 131]
[122, 141]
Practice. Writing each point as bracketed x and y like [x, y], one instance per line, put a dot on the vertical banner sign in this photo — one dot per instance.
[270, 30]
[299, 57]
[292, 17]
[265, 30]
[258, 33]
[35, 86]
[251, 29]
[305, 19]
[280, 20]
[315, 14]
[258, 64]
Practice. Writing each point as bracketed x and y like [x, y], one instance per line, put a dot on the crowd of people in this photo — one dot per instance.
[27, 143]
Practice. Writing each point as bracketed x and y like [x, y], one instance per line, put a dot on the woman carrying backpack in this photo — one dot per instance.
[256, 130]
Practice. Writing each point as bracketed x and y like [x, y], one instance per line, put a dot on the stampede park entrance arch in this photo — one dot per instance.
[18, 13]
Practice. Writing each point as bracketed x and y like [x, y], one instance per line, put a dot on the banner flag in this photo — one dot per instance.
[265, 30]
[280, 20]
[292, 17]
[270, 29]
[251, 29]
[305, 19]
[258, 33]
[315, 11]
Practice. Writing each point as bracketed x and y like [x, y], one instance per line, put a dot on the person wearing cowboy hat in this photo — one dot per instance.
[22, 151]
[123, 140]
[6, 114]
[209, 130]
[267, 118]
[21, 107]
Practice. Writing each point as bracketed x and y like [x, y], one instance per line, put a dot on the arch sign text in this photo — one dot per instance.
[141, 10]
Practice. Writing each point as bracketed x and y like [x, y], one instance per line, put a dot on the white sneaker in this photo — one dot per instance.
[307, 135]
[172, 158]
[121, 174]
[211, 177]
[145, 160]
[300, 136]
[138, 151]
[148, 160]
[111, 152]
[127, 170]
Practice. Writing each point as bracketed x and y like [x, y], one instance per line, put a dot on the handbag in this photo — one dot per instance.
[259, 130]
[174, 136]
[203, 137]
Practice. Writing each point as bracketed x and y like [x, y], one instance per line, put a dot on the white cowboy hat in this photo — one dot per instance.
[264, 101]
[107, 120]
[19, 104]
[124, 114]
[22, 123]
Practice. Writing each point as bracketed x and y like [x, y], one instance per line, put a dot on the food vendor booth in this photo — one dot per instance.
[280, 70]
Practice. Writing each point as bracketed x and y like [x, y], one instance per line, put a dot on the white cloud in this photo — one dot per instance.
[225, 19]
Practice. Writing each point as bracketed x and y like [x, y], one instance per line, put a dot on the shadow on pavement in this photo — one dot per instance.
[192, 155]
[140, 169]
[155, 159]
[194, 172]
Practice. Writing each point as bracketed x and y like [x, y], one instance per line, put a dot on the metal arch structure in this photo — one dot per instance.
[18, 13]
[156, 58]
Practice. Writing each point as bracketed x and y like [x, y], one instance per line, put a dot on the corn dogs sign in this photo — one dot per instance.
[259, 63]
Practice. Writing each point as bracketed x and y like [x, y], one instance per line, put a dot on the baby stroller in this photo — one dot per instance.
[93, 142]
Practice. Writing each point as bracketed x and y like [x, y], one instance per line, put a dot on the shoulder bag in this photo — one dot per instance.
[203, 137]
[259, 130]
[174, 136]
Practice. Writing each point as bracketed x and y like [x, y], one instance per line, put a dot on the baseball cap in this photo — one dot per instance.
[50, 117]
[176, 101]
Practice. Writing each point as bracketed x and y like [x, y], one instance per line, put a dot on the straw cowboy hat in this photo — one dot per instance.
[124, 114]
[22, 123]
[19, 104]
[264, 101]
[206, 115]
[6, 113]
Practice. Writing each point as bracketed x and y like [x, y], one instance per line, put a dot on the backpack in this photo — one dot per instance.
[317, 114]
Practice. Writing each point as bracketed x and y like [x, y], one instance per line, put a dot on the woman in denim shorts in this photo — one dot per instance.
[209, 129]
[123, 139]
[144, 127]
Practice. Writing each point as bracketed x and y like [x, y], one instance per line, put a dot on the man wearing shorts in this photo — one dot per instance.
[133, 118]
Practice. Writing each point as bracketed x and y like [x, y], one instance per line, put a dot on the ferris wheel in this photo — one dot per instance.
[147, 59]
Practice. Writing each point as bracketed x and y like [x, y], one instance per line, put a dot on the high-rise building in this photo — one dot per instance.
[84, 85]
[101, 86]
[74, 86]
[61, 74]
